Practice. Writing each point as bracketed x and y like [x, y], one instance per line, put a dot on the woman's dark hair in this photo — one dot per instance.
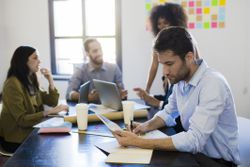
[173, 13]
[176, 39]
[20, 69]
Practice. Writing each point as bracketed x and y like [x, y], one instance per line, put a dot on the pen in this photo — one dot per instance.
[131, 125]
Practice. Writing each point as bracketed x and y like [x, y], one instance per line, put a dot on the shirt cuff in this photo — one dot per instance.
[167, 118]
[161, 104]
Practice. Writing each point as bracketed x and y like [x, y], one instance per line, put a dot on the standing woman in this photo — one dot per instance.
[169, 14]
[23, 100]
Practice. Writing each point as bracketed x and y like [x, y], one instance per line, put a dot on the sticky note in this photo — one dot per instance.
[198, 4]
[222, 2]
[214, 17]
[206, 10]
[199, 18]
[198, 25]
[191, 3]
[206, 25]
[198, 10]
[148, 6]
[214, 24]
[214, 2]
[162, 1]
[191, 26]
[184, 4]
[207, 3]
[221, 24]
[191, 11]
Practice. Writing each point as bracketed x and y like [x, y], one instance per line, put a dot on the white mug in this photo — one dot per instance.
[128, 113]
[82, 116]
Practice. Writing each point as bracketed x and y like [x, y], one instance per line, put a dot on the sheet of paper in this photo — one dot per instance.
[100, 109]
[56, 121]
[120, 154]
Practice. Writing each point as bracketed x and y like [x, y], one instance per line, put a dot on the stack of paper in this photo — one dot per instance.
[128, 155]
[54, 125]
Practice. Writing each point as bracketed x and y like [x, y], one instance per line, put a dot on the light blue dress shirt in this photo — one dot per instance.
[207, 111]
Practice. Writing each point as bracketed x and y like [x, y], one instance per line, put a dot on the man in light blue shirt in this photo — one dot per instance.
[203, 98]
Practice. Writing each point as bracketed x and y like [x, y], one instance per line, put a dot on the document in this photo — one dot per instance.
[127, 155]
[54, 125]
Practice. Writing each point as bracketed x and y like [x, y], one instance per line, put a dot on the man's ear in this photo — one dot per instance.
[189, 57]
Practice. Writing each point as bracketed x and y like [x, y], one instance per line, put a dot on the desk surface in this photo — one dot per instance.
[65, 150]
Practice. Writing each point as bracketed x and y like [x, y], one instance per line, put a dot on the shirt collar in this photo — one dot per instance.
[92, 68]
[199, 72]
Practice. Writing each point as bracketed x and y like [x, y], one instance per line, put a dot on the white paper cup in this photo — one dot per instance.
[82, 116]
[128, 112]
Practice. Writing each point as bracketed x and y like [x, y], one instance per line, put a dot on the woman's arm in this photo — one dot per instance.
[152, 72]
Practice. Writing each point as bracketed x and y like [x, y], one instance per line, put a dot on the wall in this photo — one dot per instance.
[2, 67]
[26, 22]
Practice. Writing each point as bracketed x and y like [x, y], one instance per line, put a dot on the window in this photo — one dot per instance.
[72, 21]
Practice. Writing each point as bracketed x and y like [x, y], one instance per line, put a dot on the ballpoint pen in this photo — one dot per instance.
[131, 125]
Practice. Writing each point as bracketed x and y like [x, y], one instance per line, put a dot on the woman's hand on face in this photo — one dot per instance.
[46, 73]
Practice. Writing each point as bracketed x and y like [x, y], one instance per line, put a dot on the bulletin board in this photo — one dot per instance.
[202, 14]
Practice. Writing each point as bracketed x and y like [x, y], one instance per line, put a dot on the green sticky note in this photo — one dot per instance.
[206, 25]
[148, 6]
[214, 2]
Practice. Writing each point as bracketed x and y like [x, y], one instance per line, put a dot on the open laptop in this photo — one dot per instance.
[84, 92]
[109, 94]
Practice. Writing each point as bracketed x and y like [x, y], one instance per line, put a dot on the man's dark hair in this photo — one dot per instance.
[176, 39]
[87, 42]
[20, 69]
[171, 12]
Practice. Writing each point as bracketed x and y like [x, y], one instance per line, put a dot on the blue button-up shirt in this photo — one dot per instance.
[207, 113]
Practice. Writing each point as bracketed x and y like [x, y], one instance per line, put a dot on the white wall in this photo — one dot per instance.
[26, 22]
[2, 46]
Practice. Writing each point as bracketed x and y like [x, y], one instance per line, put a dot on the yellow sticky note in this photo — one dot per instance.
[206, 10]
[162, 1]
[222, 2]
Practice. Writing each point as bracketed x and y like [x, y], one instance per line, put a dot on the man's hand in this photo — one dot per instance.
[147, 98]
[93, 95]
[126, 138]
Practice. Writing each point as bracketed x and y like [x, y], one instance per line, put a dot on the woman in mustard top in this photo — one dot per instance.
[23, 100]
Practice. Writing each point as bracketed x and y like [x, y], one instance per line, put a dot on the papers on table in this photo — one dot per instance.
[129, 155]
[54, 125]
[101, 109]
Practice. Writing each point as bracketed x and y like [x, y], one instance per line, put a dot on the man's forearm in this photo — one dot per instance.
[155, 123]
[156, 144]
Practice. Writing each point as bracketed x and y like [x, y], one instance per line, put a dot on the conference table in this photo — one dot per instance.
[78, 150]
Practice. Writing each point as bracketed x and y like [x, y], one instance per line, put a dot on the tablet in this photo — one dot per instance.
[109, 94]
[84, 92]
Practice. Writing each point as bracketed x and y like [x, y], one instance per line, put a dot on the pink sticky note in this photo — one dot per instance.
[191, 3]
[214, 24]
[198, 10]
[191, 25]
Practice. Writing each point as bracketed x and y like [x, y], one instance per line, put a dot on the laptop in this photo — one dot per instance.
[109, 94]
[84, 92]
